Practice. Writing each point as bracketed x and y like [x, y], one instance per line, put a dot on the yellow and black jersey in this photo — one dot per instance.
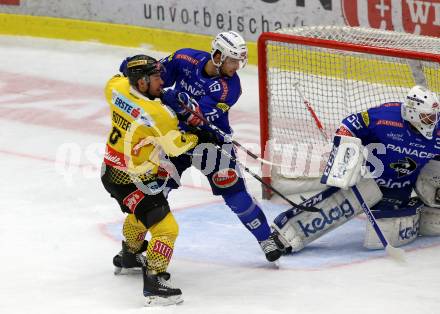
[141, 130]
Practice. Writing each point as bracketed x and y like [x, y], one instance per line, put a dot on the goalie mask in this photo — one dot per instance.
[232, 45]
[422, 109]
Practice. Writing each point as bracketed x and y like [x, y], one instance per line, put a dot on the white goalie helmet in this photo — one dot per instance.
[422, 109]
[232, 45]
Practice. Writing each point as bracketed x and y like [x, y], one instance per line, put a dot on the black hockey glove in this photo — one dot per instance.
[206, 136]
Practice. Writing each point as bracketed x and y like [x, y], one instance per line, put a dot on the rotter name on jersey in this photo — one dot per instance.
[410, 151]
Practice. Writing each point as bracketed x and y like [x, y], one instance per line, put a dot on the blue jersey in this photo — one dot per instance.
[406, 150]
[215, 95]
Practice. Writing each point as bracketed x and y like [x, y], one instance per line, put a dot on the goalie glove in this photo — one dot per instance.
[344, 166]
[428, 183]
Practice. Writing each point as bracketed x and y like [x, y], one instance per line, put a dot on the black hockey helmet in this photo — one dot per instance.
[142, 66]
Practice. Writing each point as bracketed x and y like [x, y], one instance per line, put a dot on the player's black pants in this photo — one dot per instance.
[138, 199]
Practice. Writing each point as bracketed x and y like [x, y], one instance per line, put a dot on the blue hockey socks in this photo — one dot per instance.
[249, 213]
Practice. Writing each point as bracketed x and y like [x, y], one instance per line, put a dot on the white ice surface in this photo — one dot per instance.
[59, 229]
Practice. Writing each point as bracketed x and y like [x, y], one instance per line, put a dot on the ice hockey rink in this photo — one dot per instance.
[59, 229]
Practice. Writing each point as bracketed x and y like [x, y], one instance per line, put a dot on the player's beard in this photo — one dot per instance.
[224, 73]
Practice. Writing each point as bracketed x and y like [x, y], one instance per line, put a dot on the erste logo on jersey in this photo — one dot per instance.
[411, 16]
[131, 109]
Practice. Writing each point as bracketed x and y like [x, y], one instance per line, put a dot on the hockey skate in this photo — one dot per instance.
[158, 291]
[272, 247]
[126, 262]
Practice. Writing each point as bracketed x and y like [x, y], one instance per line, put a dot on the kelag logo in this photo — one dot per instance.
[411, 16]
[343, 211]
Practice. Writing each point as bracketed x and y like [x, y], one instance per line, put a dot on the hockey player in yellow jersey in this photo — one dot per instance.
[143, 130]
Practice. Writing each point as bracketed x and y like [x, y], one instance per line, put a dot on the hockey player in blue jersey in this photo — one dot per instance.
[403, 144]
[211, 80]
[410, 138]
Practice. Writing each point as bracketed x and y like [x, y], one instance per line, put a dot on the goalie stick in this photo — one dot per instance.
[395, 253]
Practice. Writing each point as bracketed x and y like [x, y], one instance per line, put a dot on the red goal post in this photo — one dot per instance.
[339, 70]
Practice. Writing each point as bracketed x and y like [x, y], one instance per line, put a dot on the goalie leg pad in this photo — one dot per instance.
[400, 226]
[298, 228]
[429, 221]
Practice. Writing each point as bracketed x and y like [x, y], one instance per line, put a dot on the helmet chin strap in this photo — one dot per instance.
[218, 65]
[146, 93]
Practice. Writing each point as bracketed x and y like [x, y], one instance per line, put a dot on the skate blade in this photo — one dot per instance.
[155, 300]
[127, 271]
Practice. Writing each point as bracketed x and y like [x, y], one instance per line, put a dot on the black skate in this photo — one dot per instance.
[157, 289]
[126, 262]
[272, 247]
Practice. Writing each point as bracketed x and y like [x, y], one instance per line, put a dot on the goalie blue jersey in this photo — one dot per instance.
[397, 151]
[215, 95]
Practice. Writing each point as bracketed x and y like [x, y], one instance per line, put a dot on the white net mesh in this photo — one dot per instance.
[368, 37]
[336, 82]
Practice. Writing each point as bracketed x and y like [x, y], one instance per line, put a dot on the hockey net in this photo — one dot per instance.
[339, 70]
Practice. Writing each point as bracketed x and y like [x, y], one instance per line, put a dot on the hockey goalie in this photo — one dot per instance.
[390, 153]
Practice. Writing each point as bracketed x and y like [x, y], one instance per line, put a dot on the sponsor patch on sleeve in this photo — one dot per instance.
[222, 106]
[365, 118]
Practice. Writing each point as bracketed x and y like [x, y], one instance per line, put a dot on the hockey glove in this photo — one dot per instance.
[205, 136]
[190, 109]
[183, 104]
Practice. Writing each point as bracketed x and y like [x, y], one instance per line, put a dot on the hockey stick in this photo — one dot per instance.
[257, 177]
[395, 253]
[282, 218]
[312, 112]
[228, 137]
[295, 206]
